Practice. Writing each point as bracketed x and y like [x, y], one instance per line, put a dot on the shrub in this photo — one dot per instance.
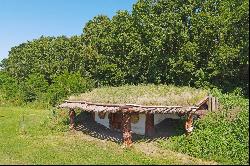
[66, 84]
[222, 136]
[34, 87]
[10, 89]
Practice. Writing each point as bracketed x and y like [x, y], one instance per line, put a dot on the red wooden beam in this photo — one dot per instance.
[126, 129]
[189, 124]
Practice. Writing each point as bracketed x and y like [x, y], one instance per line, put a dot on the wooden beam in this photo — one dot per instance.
[119, 105]
[204, 100]
[120, 108]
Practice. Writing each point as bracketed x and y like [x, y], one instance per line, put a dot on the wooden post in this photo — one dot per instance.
[93, 115]
[126, 128]
[209, 104]
[189, 124]
[216, 103]
[72, 115]
[110, 117]
[213, 104]
[149, 124]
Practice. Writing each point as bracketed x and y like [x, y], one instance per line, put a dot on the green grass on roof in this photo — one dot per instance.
[167, 95]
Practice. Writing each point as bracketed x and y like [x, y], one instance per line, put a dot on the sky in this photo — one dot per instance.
[25, 20]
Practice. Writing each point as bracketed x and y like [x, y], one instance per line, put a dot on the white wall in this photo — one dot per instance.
[104, 121]
[160, 117]
[139, 127]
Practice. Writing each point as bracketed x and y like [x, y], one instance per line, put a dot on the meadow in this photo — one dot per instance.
[32, 136]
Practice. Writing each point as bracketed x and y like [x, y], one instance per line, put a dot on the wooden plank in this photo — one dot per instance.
[119, 105]
[134, 105]
[161, 106]
[97, 104]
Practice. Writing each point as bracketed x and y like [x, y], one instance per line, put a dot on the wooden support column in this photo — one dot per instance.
[149, 124]
[126, 129]
[111, 117]
[72, 116]
[93, 115]
[189, 124]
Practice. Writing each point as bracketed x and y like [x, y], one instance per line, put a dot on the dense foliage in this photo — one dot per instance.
[222, 136]
[35, 88]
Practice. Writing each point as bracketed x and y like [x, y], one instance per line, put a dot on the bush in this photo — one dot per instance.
[67, 84]
[10, 89]
[222, 136]
[34, 87]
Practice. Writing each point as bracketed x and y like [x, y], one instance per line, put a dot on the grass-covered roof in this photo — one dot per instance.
[167, 95]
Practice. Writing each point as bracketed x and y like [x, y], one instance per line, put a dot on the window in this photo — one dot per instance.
[101, 115]
[135, 117]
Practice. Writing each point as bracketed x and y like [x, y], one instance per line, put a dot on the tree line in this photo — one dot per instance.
[188, 42]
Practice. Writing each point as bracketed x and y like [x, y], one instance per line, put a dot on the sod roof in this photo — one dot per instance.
[147, 95]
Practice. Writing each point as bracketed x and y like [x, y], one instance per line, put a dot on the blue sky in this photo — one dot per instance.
[23, 20]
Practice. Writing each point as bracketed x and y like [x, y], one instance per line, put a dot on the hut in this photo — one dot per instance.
[138, 118]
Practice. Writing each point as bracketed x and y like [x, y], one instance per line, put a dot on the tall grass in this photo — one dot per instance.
[144, 95]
